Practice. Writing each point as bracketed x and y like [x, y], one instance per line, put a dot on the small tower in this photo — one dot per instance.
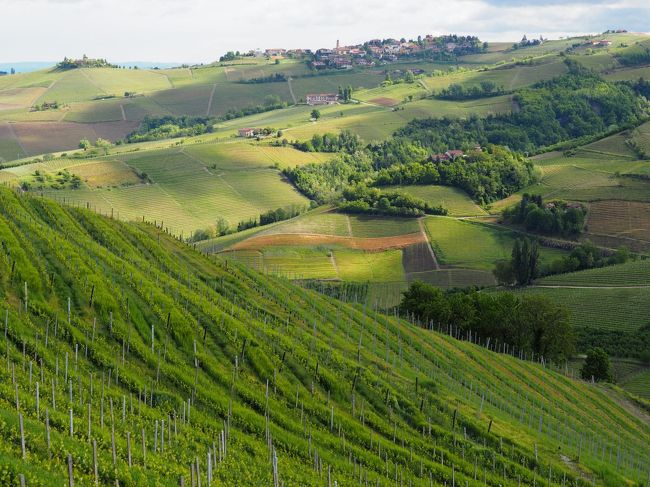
[338, 44]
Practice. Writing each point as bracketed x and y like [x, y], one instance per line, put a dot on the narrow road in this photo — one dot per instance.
[336, 267]
[295, 101]
[426, 238]
[123, 112]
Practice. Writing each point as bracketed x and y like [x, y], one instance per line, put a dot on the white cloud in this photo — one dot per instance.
[201, 30]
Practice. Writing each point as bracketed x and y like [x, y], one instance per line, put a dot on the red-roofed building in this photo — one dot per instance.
[322, 99]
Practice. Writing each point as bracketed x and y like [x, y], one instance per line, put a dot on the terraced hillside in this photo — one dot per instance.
[130, 359]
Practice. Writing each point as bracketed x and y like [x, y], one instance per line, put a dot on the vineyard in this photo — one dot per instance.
[129, 359]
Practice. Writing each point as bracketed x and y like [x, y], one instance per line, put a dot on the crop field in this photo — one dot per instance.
[632, 273]
[45, 137]
[9, 146]
[615, 309]
[418, 258]
[455, 200]
[248, 155]
[472, 245]
[618, 223]
[185, 193]
[639, 384]
[454, 278]
[304, 344]
[628, 74]
[13, 98]
[93, 112]
[118, 81]
[590, 177]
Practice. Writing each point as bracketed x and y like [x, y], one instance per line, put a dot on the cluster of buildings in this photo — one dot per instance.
[450, 155]
[377, 51]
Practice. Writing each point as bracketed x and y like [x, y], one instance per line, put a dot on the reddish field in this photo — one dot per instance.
[368, 244]
[44, 137]
[386, 102]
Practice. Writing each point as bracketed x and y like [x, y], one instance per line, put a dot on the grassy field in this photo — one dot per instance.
[329, 366]
[455, 200]
[473, 245]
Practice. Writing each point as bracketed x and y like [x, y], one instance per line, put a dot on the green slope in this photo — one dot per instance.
[122, 328]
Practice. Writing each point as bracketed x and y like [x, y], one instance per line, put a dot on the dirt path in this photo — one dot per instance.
[214, 88]
[336, 267]
[123, 112]
[347, 220]
[293, 96]
[426, 239]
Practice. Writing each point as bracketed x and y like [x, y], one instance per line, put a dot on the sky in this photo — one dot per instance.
[201, 30]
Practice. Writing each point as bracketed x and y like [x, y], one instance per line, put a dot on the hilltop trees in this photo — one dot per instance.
[551, 218]
[597, 366]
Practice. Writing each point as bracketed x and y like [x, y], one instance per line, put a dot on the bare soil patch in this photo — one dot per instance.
[385, 102]
[367, 244]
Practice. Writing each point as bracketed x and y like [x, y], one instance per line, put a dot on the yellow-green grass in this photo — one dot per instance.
[599, 60]
[357, 266]
[245, 155]
[455, 200]
[617, 309]
[41, 78]
[472, 245]
[633, 273]
[187, 100]
[71, 86]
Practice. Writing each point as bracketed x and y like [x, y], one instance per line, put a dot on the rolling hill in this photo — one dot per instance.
[129, 358]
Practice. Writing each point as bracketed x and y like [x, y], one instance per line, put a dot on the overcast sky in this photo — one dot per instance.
[202, 30]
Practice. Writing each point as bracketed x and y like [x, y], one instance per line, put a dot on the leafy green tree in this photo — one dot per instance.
[84, 144]
[597, 366]
[315, 114]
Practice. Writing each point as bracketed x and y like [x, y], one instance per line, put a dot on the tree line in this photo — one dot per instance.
[362, 199]
[531, 324]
